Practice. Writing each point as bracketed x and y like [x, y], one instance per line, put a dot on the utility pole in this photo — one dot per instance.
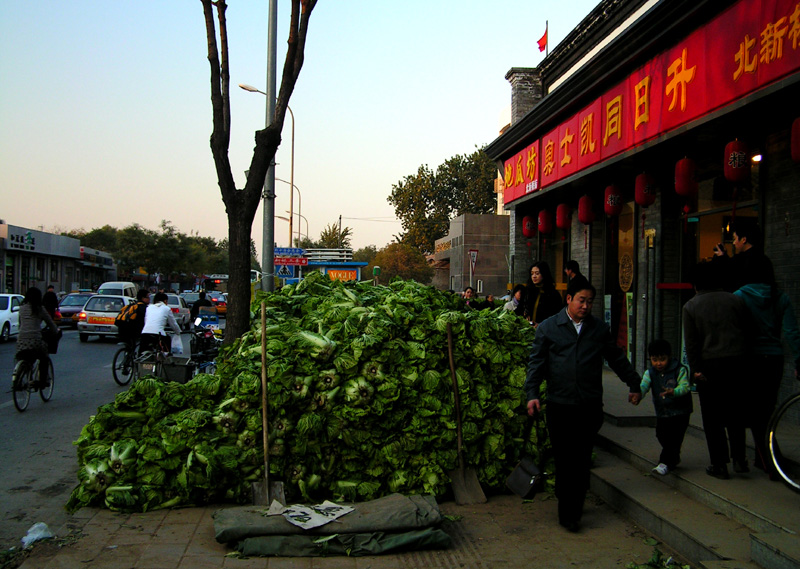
[340, 231]
[268, 232]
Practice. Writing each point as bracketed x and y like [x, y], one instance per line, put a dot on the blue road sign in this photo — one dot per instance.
[289, 252]
[285, 271]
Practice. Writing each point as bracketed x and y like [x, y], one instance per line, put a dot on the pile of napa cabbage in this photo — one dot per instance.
[360, 404]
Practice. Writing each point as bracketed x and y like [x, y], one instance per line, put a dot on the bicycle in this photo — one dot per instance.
[783, 441]
[27, 379]
[124, 367]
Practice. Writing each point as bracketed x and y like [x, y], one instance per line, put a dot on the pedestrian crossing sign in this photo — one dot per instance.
[285, 271]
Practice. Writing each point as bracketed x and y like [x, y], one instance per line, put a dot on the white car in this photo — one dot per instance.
[180, 310]
[9, 315]
[98, 316]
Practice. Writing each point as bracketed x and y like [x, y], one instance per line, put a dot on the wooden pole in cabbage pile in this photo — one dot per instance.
[264, 492]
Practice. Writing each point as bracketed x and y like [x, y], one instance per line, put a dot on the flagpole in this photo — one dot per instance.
[547, 37]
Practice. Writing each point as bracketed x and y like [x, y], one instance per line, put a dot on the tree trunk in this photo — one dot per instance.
[237, 321]
[241, 205]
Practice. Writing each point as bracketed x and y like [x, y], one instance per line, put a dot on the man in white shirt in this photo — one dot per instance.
[156, 318]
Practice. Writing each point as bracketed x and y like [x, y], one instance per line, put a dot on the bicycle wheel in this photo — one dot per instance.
[122, 366]
[22, 385]
[783, 440]
[47, 392]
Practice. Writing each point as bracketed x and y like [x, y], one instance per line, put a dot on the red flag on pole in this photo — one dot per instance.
[543, 40]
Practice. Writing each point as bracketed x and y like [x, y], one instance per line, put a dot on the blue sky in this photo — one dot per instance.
[105, 108]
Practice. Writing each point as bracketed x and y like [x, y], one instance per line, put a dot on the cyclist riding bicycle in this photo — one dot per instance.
[131, 330]
[30, 344]
[156, 318]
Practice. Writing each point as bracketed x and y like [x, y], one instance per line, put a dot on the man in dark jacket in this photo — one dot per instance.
[568, 353]
[199, 303]
[50, 301]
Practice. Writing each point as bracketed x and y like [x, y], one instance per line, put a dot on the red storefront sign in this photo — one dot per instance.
[750, 45]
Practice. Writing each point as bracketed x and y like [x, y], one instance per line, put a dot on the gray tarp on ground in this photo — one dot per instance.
[393, 513]
[351, 544]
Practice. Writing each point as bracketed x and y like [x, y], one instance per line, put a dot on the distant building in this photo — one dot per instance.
[484, 237]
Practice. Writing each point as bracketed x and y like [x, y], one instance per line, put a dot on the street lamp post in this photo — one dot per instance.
[252, 89]
[299, 203]
[303, 217]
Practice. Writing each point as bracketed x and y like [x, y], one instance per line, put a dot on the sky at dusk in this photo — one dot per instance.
[106, 114]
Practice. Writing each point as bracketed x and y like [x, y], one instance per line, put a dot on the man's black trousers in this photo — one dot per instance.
[573, 429]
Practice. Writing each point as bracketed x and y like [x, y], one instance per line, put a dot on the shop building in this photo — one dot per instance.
[474, 253]
[35, 258]
[642, 138]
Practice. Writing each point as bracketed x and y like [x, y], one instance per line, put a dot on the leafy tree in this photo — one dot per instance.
[136, 247]
[306, 243]
[426, 201]
[241, 205]
[365, 254]
[402, 260]
[332, 238]
[102, 238]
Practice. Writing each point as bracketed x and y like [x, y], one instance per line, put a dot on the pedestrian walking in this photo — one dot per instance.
[714, 327]
[568, 352]
[672, 398]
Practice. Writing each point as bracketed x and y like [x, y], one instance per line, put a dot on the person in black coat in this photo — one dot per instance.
[542, 300]
[50, 301]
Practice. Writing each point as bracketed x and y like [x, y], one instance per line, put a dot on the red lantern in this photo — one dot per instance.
[645, 193]
[563, 216]
[529, 226]
[685, 184]
[796, 140]
[612, 201]
[545, 222]
[737, 164]
[585, 212]
[585, 216]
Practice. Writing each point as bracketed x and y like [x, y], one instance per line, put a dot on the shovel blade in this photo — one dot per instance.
[466, 487]
[263, 495]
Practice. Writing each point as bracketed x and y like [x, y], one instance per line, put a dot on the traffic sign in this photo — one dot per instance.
[285, 271]
[473, 257]
[289, 252]
[296, 261]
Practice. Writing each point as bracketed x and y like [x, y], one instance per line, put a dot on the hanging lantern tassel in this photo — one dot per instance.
[612, 206]
[685, 217]
[586, 217]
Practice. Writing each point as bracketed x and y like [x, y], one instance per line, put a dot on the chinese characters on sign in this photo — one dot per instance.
[748, 46]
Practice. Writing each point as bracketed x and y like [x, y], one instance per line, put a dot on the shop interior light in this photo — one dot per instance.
[756, 158]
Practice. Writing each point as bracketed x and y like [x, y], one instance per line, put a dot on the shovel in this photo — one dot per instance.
[266, 491]
[466, 487]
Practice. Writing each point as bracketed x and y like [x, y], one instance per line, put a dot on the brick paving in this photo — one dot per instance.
[505, 532]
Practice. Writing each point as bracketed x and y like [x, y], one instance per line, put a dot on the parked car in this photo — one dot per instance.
[9, 315]
[220, 301]
[180, 310]
[70, 307]
[98, 315]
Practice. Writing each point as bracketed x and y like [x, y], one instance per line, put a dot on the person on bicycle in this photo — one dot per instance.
[30, 343]
[131, 332]
[157, 316]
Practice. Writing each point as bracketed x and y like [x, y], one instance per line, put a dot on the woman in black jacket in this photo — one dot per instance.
[542, 300]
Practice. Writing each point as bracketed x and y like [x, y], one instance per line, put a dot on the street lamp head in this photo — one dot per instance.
[250, 88]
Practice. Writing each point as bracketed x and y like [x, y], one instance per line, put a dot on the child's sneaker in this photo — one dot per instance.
[661, 469]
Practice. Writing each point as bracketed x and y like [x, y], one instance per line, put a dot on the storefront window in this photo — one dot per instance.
[40, 269]
[556, 252]
[53, 271]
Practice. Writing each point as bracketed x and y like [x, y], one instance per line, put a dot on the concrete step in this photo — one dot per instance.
[762, 517]
[698, 533]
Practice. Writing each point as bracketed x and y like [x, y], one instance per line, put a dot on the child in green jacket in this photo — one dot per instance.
[672, 398]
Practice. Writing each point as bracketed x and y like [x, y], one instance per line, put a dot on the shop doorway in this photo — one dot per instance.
[619, 303]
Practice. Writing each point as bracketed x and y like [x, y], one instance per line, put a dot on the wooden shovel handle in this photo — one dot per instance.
[264, 409]
[456, 394]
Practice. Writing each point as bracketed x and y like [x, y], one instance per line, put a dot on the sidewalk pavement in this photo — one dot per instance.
[504, 532]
